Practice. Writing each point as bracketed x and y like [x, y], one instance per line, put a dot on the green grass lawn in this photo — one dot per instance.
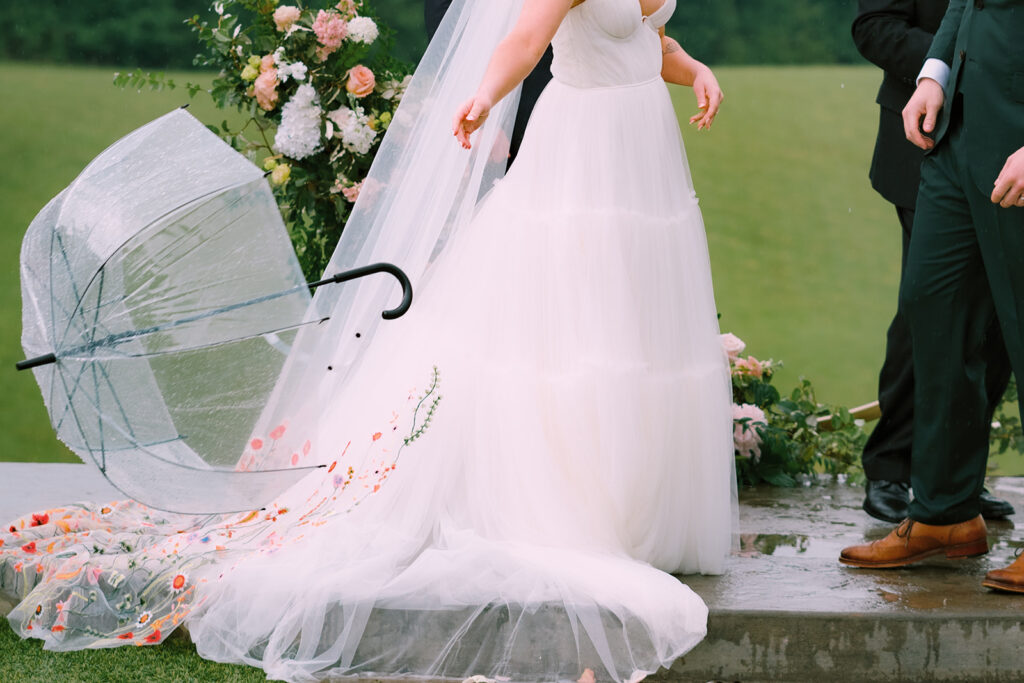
[173, 661]
[805, 255]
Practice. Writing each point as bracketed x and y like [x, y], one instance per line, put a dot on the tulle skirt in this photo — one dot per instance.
[581, 449]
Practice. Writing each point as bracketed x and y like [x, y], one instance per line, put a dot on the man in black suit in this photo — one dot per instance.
[433, 13]
[895, 35]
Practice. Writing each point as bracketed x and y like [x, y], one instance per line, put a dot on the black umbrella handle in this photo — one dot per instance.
[36, 362]
[363, 271]
[345, 276]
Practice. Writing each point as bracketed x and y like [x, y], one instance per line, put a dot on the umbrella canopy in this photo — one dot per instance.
[164, 285]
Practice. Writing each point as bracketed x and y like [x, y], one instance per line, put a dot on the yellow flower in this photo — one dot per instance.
[250, 72]
[254, 61]
[279, 176]
[373, 123]
[269, 163]
[384, 118]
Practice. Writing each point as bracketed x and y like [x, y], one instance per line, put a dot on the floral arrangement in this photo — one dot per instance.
[317, 87]
[778, 439]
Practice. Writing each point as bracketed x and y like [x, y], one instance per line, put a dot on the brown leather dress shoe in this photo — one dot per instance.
[1010, 579]
[913, 541]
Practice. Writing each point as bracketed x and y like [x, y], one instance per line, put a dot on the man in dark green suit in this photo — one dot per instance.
[965, 267]
[896, 36]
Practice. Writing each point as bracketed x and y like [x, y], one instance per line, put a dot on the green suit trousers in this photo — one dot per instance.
[966, 265]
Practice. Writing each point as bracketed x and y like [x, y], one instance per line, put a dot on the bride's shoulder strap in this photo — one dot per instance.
[660, 16]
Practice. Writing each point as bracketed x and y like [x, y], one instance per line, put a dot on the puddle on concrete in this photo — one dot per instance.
[787, 545]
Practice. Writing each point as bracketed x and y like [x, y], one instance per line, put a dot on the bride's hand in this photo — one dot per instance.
[468, 118]
[709, 98]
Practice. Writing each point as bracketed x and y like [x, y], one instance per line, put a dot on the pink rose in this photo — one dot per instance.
[265, 89]
[732, 344]
[746, 440]
[330, 30]
[361, 81]
[352, 193]
[266, 63]
[285, 16]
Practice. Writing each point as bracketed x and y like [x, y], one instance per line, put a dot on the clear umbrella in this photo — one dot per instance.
[160, 298]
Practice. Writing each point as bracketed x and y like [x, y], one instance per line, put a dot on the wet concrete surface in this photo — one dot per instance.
[785, 610]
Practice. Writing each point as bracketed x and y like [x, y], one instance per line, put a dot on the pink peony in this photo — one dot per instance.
[330, 30]
[265, 89]
[285, 16]
[732, 344]
[352, 193]
[361, 81]
[746, 440]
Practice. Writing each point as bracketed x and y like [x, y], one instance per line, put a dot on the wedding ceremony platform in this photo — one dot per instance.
[785, 610]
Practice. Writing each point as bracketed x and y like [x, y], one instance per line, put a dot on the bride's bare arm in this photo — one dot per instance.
[682, 69]
[512, 61]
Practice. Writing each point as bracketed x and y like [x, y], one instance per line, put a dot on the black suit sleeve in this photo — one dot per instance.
[885, 33]
[433, 13]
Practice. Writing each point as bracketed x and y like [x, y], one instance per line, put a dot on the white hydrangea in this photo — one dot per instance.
[298, 136]
[353, 129]
[362, 30]
[296, 70]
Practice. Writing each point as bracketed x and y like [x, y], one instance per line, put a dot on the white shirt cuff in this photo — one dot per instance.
[935, 69]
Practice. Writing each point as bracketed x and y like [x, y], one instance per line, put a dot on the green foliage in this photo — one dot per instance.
[791, 439]
[766, 31]
[1006, 431]
[124, 32]
[115, 32]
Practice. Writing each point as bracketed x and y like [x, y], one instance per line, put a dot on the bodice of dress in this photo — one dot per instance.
[608, 43]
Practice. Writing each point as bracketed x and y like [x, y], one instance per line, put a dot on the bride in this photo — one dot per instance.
[582, 450]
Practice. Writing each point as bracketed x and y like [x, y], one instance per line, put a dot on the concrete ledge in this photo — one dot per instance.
[785, 610]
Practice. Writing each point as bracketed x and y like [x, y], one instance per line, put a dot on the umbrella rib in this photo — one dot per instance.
[120, 247]
[78, 423]
[121, 337]
[224, 208]
[139, 292]
[95, 379]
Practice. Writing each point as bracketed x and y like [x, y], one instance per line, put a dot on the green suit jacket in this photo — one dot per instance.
[983, 42]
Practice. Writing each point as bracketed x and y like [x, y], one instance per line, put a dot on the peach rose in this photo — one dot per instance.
[285, 16]
[347, 8]
[361, 81]
[265, 89]
[750, 366]
[266, 63]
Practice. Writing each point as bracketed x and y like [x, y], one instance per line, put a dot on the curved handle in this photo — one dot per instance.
[363, 271]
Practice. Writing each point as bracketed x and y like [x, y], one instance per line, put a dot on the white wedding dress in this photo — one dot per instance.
[581, 451]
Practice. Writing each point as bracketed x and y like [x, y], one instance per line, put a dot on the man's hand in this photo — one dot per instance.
[926, 103]
[1009, 186]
